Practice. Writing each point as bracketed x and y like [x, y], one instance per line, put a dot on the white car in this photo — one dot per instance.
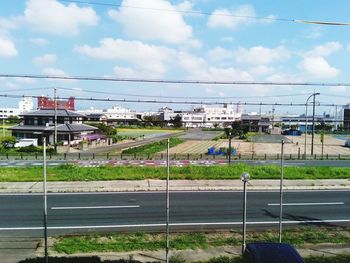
[26, 142]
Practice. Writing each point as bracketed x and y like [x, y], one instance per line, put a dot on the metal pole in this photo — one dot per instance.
[244, 216]
[3, 124]
[281, 192]
[45, 199]
[55, 136]
[336, 117]
[229, 148]
[305, 128]
[167, 202]
[313, 125]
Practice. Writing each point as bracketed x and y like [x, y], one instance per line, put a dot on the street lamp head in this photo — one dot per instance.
[245, 177]
[317, 93]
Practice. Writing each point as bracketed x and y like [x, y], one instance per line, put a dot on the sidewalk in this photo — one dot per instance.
[326, 250]
[175, 185]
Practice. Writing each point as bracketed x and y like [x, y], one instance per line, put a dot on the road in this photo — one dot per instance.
[89, 163]
[67, 213]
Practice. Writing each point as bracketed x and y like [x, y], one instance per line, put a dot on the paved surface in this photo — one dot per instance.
[139, 210]
[198, 134]
[96, 163]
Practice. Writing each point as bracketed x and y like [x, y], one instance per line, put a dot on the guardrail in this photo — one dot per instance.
[161, 156]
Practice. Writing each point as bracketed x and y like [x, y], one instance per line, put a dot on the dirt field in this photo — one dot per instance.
[193, 147]
[332, 146]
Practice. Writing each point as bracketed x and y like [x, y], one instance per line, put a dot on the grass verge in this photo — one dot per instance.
[154, 147]
[77, 173]
[126, 242]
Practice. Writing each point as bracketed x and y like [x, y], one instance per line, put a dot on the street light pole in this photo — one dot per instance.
[313, 123]
[45, 199]
[281, 191]
[306, 121]
[167, 202]
[229, 148]
[245, 178]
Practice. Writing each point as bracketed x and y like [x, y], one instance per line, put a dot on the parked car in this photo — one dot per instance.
[26, 142]
[271, 253]
[347, 143]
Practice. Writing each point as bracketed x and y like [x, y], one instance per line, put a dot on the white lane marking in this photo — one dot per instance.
[176, 224]
[175, 191]
[93, 207]
[305, 204]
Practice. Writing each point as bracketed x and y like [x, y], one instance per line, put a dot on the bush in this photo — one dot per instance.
[8, 141]
[29, 149]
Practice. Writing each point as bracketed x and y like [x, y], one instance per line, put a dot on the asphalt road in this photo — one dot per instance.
[23, 214]
[27, 163]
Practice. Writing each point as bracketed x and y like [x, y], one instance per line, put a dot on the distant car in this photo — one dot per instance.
[271, 253]
[347, 143]
[26, 142]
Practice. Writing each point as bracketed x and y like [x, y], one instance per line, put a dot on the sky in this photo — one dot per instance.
[221, 40]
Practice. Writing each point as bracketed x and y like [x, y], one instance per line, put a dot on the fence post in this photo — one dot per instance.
[161, 156]
[36, 156]
[239, 156]
[134, 156]
[290, 157]
[299, 153]
[265, 156]
[79, 156]
[327, 156]
[339, 156]
[188, 156]
[253, 156]
[315, 157]
[278, 156]
[21, 156]
[93, 156]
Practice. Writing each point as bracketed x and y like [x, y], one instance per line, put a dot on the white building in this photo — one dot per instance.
[7, 112]
[208, 116]
[114, 114]
[26, 105]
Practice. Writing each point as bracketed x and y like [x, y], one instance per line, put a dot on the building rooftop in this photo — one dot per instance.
[51, 113]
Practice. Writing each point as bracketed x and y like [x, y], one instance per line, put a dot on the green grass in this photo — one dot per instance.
[154, 147]
[76, 173]
[125, 242]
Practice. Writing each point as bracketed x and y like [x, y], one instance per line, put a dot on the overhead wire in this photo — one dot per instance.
[271, 18]
[179, 81]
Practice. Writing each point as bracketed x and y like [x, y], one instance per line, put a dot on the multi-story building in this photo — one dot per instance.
[114, 114]
[26, 105]
[5, 113]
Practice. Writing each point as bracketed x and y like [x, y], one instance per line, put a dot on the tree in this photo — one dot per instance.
[8, 141]
[176, 121]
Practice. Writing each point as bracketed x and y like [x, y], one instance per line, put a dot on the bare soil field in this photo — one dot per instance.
[332, 146]
[193, 147]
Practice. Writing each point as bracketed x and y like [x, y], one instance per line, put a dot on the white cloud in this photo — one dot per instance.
[261, 70]
[7, 47]
[338, 89]
[231, 19]
[39, 41]
[148, 58]
[261, 55]
[198, 68]
[45, 60]
[318, 67]
[52, 17]
[8, 23]
[168, 26]
[123, 72]
[324, 50]
[220, 54]
[54, 72]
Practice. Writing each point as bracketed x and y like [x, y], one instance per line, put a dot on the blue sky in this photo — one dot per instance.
[212, 40]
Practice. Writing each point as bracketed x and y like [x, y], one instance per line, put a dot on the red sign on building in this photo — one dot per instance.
[45, 103]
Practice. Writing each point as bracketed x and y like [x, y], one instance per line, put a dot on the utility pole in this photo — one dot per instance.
[55, 136]
[45, 199]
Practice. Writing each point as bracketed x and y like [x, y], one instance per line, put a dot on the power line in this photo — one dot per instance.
[177, 102]
[325, 23]
[185, 97]
[169, 81]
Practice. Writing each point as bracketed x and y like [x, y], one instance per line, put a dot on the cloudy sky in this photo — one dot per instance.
[221, 40]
